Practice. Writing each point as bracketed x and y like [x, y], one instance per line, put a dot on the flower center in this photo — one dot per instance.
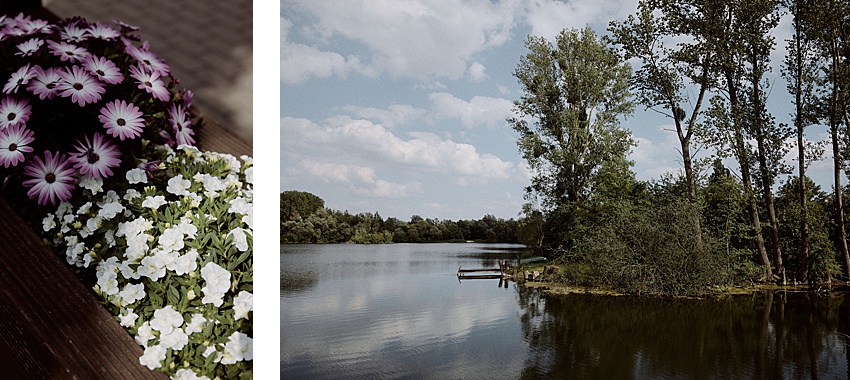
[68, 52]
[121, 122]
[50, 177]
[179, 127]
[93, 157]
[148, 84]
[50, 85]
[78, 86]
[12, 147]
[100, 72]
[11, 116]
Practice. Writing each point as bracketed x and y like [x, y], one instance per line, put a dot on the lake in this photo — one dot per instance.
[398, 311]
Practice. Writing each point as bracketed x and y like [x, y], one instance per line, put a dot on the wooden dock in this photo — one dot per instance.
[483, 273]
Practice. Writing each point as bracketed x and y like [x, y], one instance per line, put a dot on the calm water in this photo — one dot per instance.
[399, 311]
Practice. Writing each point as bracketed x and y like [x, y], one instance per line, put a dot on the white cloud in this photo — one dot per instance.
[395, 115]
[480, 110]
[299, 62]
[420, 39]
[360, 179]
[345, 138]
[548, 17]
[476, 72]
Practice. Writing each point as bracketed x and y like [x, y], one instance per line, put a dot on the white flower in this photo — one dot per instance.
[187, 228]
[144, 334]
[48, 222]
[84, 208]
[171, 240]
[217, 279]
[131, 194]
[153, 356]
[249, 220]
[175, 339]
[64, 208]
[178, 186]
[187, 374]
[95, 185]
[166, 320]
[239, 347]
[93, 223]
[185, 263]
[129, 319]
[196, 325]
[137, 247]
[242, 304]
[195, 199]
[127, 271]
[240, 240]
[152, 267]
[134, 227]
[249, 175]
[240, 205]
[136, 175]
[209, 351]
[154, 202]
[132, 293]
[110, 210]
[213, 184]
[108, 283]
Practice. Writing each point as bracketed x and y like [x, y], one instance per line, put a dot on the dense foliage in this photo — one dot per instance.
[711, 226]
[304, 219]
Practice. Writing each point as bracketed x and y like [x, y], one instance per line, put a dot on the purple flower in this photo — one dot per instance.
[80, 86]
[148, 60]
[45, 84]
[180, 123]
[66, 51]
[13, 145]
[96, 157]
[14, 111]
[18, 78]
[125, 26]
[101, 31]
[27, 48]
[104, 69]
[150, 82]
[73, 33]
[187, 95]
[29, 26]
[121, 119]
[51, 179]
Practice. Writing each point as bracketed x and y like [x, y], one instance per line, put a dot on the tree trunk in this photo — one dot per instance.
[766, 179]
[836, 160]
[745, 174]
[801, 150]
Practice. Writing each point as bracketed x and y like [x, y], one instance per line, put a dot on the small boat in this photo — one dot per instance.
[534, 259]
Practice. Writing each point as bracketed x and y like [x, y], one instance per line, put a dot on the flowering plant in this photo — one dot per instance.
[85, 82]
[172, 248]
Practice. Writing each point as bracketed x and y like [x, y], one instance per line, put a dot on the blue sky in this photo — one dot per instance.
[399, 106]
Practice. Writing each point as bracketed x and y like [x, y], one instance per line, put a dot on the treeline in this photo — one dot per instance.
[304, 219]
[702, 63]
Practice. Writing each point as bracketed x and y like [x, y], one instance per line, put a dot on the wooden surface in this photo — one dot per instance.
[51, 326]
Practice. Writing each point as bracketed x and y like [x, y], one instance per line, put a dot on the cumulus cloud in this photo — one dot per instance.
[476, 71]
[347, 139]
[299, 62]
[395, 115]
[361, 179]
[420, 39]
[548, 17]
[480, 110]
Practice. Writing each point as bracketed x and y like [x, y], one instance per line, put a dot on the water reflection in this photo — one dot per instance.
[399, 311]
[767, 336]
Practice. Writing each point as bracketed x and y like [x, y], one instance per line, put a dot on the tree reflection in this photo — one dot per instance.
[772, 335]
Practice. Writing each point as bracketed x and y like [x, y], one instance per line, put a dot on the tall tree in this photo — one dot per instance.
[574, 93]
[732, 118]
[800, 70]
[834, 37]
[757, 18]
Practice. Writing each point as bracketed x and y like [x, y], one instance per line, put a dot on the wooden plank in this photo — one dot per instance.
[215, 137]
[50, 322]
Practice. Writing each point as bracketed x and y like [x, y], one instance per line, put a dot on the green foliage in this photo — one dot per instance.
[309, 221]
[822, 258]
[649, 249]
